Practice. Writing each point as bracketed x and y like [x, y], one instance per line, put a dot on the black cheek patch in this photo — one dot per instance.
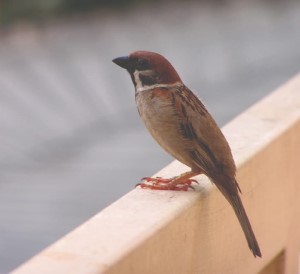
[148, 80]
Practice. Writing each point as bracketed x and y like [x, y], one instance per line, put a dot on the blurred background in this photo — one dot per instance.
[71, 139]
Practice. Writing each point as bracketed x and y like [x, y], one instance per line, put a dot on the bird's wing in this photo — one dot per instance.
[209, 149]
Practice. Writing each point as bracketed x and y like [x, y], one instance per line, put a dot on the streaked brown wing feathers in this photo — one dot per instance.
[195, 127]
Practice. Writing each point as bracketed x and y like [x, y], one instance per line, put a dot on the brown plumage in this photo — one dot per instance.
[181, 124]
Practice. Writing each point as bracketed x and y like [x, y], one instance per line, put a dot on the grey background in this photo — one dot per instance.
[71, 139]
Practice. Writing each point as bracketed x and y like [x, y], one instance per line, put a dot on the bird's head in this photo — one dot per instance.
[148, 69]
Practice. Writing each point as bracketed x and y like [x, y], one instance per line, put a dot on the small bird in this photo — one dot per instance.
[181, 124]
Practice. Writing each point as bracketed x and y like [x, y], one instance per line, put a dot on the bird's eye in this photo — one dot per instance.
[142, 64]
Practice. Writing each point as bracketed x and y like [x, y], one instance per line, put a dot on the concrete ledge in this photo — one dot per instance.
[197, 232]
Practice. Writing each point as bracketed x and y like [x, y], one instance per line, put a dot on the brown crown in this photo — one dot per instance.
[160, 64]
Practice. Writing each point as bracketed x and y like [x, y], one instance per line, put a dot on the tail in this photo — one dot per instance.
[234, 199]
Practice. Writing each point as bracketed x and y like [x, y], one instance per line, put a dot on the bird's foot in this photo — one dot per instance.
[175, 183]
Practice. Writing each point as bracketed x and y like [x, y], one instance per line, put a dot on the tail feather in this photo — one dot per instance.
[235, 201]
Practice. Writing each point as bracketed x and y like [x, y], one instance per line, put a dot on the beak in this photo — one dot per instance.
[123, 62]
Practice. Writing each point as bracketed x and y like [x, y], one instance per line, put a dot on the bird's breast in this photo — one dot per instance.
[156, 108]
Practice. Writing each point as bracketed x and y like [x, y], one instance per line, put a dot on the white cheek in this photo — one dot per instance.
[140, 87]
[137, 80]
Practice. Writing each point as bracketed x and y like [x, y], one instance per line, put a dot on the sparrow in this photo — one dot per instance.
[181, 124]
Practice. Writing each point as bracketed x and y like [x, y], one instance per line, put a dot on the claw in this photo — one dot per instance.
[159, 183]
[194, 181]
